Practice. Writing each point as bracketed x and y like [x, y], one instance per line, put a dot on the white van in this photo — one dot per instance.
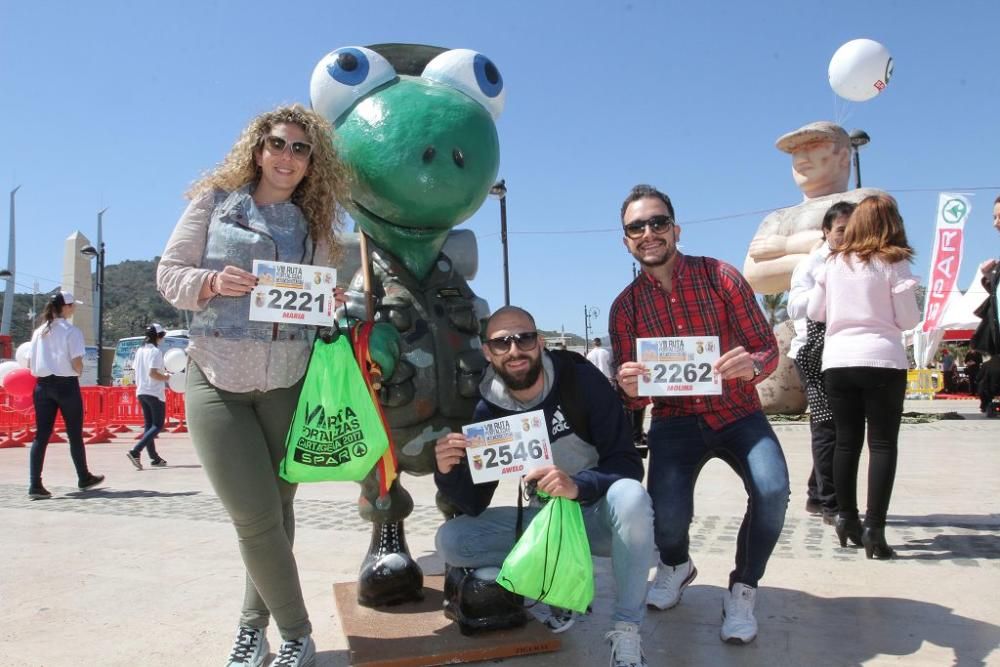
[123, 366]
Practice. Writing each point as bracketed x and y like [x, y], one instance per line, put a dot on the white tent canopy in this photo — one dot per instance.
[958, 314]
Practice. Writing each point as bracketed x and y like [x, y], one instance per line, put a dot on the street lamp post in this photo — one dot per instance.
[499, 190]
[8, 273]
[589, 313]
[859, 138]
[92, 252]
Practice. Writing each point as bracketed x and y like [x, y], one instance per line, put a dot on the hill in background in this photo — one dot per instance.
[131, 302]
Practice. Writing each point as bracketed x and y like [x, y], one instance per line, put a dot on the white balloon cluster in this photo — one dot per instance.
[176, 361]
[7, 367]
[20, 360]
[23, 353]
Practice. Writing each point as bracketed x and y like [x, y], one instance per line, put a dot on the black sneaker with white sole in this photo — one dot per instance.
[159, 463]
[90, 481]
[38, 492]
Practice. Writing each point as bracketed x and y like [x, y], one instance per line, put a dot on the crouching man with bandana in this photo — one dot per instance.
[595, 463]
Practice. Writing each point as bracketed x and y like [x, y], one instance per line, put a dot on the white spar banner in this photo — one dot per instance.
[946, 260]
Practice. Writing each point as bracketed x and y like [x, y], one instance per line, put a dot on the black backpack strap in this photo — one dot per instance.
[570, 398]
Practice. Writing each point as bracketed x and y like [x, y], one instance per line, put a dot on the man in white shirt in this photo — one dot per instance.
[601, 358]
[807, 351]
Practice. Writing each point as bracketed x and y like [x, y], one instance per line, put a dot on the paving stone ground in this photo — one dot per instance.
[145, 571]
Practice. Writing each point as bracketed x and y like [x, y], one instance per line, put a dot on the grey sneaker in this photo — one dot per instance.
[669, 584]
[249, 649]
[134, 459]
[555, 619]
[626, 646]
[739, 625]
[299, 652]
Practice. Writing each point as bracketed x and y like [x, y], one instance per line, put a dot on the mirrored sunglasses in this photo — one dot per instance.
[658, 223]
[525, 342]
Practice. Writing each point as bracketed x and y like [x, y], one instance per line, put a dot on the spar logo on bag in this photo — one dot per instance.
[330, 439]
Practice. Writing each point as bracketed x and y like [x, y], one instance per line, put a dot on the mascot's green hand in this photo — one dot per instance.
[384, 347]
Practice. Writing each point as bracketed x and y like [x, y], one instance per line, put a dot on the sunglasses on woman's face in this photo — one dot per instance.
[658, 223]
[525, 342]
[277, 145]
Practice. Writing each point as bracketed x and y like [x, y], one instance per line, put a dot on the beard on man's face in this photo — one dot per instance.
[522, 379]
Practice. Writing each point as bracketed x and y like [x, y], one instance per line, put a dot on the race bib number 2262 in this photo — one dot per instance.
[679, 366]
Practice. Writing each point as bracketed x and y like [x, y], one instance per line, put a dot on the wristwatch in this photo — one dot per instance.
[757, 368]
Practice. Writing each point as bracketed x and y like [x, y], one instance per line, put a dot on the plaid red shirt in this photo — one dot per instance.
[708, 298]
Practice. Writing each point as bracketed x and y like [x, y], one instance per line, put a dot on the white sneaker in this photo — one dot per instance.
[299, 652]
[626, 647]
[555, 619]
[669, 584]
[249, 649]
[739, 625]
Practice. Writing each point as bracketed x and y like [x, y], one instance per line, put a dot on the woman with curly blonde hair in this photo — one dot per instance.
[867, 297]
[274, 197]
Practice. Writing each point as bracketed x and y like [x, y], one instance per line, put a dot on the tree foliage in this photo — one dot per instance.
[130, 303]
[775, 307]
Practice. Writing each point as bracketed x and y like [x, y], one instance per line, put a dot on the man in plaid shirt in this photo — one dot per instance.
[680, 295]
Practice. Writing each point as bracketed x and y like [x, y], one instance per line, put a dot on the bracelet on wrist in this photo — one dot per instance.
[213, 283]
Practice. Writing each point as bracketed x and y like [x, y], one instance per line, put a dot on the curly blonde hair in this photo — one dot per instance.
[319, 193]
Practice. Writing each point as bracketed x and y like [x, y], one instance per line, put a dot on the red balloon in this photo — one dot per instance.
[21, 402]
[19, 382]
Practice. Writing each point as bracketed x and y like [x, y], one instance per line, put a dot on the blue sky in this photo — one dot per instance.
[124, 104]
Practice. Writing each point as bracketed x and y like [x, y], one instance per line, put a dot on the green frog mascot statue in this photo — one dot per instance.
[416, 126]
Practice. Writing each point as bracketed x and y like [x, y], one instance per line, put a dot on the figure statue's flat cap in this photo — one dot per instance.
[821, 130]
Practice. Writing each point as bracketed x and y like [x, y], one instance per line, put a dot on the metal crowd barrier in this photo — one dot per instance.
[107, 411]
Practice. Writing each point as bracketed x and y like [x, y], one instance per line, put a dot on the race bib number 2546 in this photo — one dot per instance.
[508, 446]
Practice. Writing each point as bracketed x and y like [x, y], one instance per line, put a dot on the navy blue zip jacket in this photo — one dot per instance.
[594, 466]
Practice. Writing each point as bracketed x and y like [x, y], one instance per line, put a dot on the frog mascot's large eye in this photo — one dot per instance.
[344, 76]
[472, 73]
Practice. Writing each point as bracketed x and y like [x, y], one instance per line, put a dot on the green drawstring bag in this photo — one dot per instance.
[336, 433]
[551, 562]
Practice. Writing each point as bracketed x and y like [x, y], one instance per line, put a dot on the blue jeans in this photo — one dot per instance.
[619, 525]
[679, 447]
[154, 412]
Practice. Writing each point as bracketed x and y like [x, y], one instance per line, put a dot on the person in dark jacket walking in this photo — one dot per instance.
[987, 335]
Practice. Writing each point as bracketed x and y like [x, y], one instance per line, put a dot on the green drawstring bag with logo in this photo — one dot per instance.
[551, 561]
[336, 434]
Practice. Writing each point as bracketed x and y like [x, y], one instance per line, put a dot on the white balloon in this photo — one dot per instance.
[23, 353]
[178, 382]
[860, 70]
[7, 367]
[175, 360]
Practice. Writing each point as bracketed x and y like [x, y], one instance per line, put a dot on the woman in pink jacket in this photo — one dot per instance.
[866, 295]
